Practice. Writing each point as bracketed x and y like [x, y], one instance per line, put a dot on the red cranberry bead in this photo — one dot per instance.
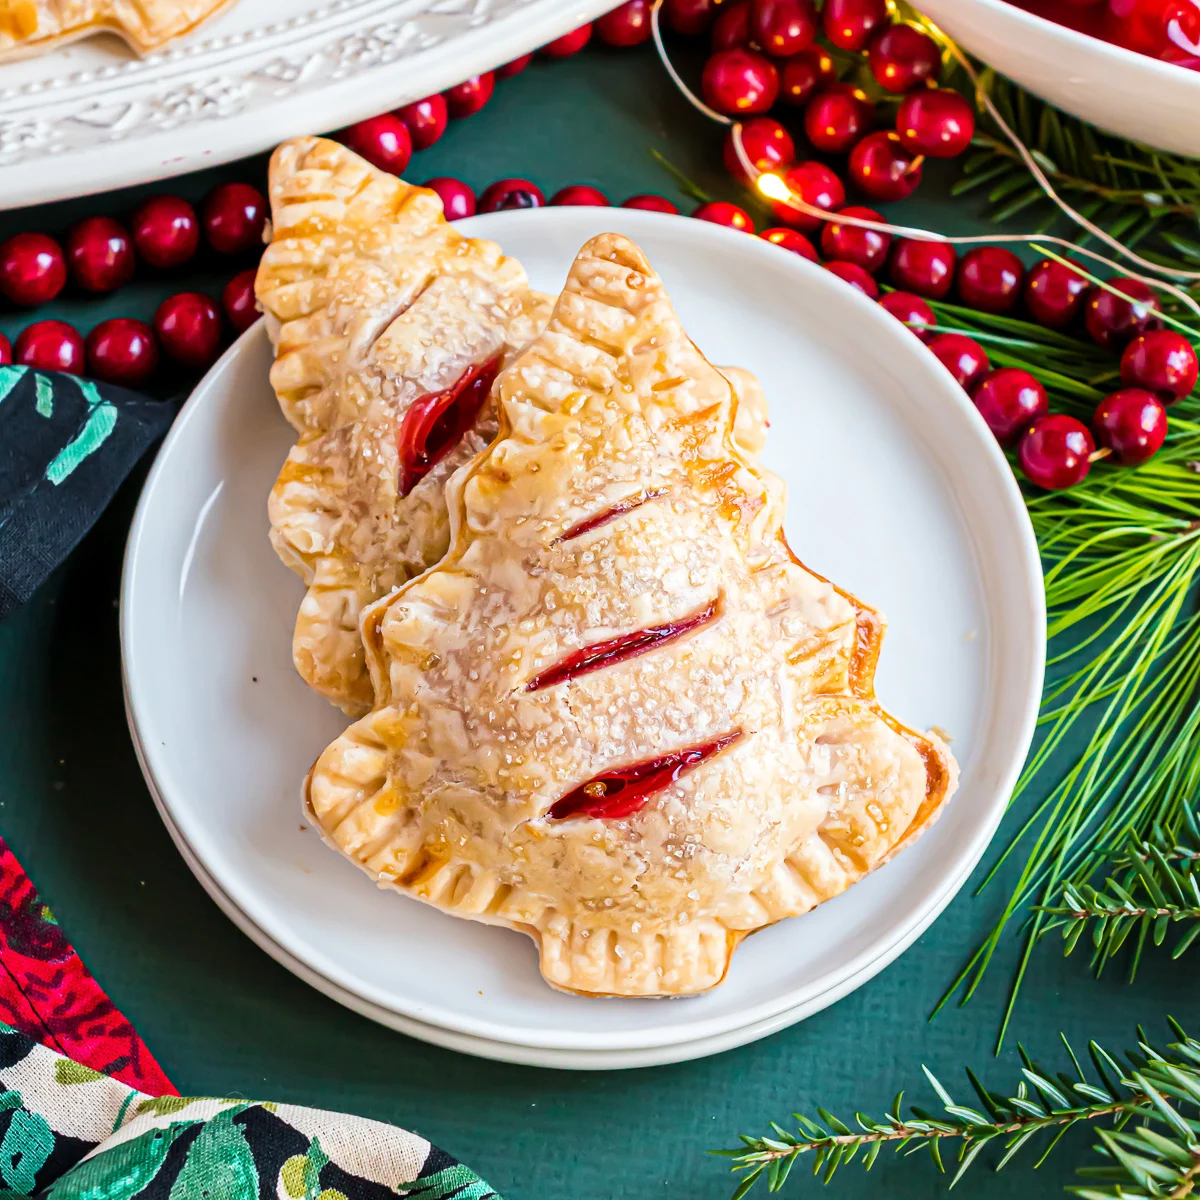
[628, 25]
[817, 186]
[850, 23]
[509, 69]
[189, 329]
[721, 212]
[935, 121]
[1162, 362]
[649, 203]
[767, 145]
[689, 17]
[900, 57]
[1113, 321]
[1010, 400]
[838, 117]
[511, 193]
[122, 351]
[1054, 293]
[805, 74]
[867, 248]
[235, 215]
[912, 311]
[580, 194]
[425, 120]
[739, 82]
[990, 278]
[458, 200]
[100, 253]
[791, 239]
[384, 141]
[731, 29]
[238, 300]
[856, 277]
[569, 43]
[882, 168]
[963, 357]
[1055, 452]
[467, 98]
[50, 346]
[6, 353]
[32, 269]
[783, 27]
[1132, 424]
[924, 267]
[166, 231]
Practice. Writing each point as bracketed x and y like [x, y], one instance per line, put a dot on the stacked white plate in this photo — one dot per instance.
[897, 492]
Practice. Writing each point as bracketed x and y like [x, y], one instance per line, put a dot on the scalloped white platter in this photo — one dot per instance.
[92, 115]
[897, 491]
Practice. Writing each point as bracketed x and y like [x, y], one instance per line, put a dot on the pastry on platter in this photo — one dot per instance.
[619, 715]
[30, 27]
[389, 328]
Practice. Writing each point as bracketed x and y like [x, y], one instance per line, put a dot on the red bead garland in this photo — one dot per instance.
[511, 193]
[235, 215]
[792, 240]
[384, 141]
[425, 120]
[467, 98]
[721, 212]
[188, 326]
[100, 254]
[32, 269]
[458, 200]
[122, 351]
[166, 231]
[650, 203]
[238, 300]
[580, 194]
[50, 346]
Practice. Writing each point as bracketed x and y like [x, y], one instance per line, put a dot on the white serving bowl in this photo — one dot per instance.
[1113, 88]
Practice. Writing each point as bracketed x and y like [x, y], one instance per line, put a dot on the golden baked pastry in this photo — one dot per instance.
[619, 715]
[32, 26]
[390, 327]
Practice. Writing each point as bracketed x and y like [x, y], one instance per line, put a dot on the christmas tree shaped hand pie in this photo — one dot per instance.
[390, 327]
[619, 715]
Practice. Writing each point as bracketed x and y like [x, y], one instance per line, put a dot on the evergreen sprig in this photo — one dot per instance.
[1147, 1108]
[1121, 553]
[1153, 886]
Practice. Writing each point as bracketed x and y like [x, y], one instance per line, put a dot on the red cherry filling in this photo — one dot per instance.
[622, 792]
[434, 424]
[625, 645]
[608, 514]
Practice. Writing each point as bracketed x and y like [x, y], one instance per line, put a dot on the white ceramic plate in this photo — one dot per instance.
[93, 116]
[898, 492]
[1126, 93]
[576, 1060]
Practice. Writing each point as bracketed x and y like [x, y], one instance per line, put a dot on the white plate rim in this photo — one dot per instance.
[634, 222]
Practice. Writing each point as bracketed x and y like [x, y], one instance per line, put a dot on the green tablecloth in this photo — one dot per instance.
[224, 1019]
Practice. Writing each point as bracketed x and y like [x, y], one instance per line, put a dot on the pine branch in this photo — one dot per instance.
[1149, 891]
[1150, 1105]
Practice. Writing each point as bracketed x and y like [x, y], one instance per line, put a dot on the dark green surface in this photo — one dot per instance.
[224, 1018]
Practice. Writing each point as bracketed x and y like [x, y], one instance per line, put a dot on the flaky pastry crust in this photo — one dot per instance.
[29, 27]
[375, 302]
[618, 595]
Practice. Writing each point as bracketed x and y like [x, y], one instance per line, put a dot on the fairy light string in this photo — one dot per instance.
[774, 188]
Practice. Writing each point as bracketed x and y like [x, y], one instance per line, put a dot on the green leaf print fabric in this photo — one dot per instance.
[69, 1133]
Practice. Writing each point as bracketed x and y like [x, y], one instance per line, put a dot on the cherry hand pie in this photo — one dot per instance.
[32, 26]
[619, 715]
[390, 328]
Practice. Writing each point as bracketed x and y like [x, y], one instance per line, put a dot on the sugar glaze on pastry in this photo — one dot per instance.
[381, 312]
[30, 27]
[619, 715]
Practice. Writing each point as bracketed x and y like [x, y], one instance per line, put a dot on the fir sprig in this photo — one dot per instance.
[1150, 1104]
[1152, 887]
[1121, 553]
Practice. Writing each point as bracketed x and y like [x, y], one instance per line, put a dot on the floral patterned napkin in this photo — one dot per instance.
[100, 1121]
